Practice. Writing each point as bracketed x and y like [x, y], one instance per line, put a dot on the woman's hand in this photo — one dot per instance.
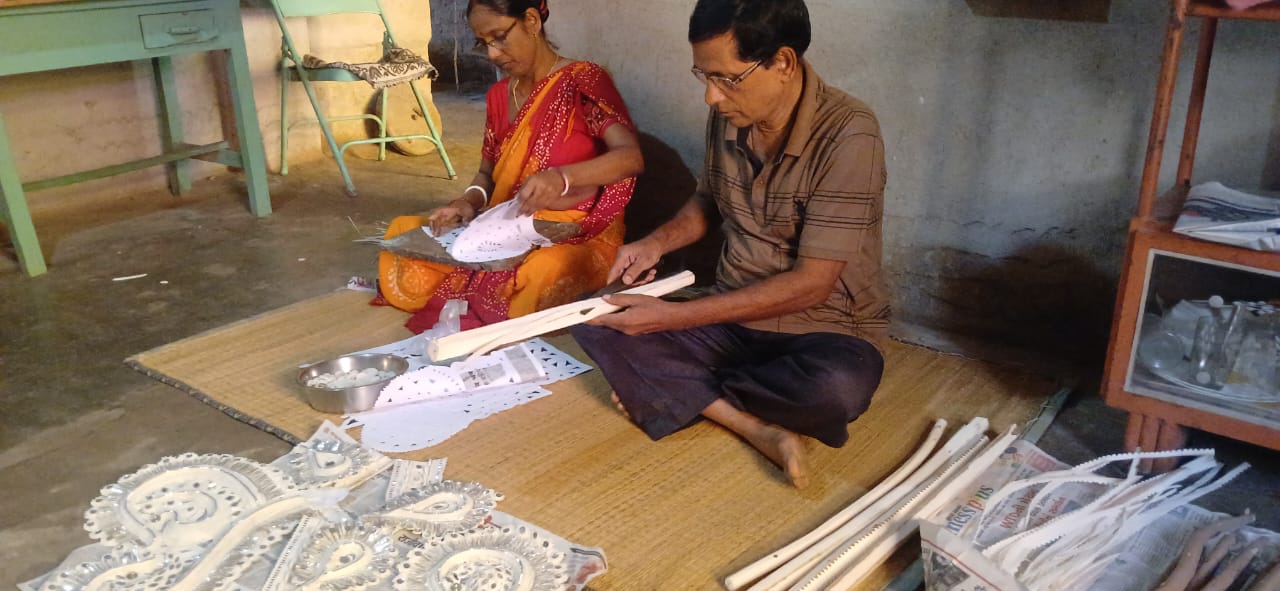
[542, 190]
[458, 212]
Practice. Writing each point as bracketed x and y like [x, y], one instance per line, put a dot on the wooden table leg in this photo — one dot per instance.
[253, 156]
[21, 229]
[171, 132]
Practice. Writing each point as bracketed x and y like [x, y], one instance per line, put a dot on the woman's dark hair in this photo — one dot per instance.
[512, 8]
[761, 27]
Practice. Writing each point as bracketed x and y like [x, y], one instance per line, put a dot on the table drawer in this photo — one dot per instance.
[64, 35]
[177, 28]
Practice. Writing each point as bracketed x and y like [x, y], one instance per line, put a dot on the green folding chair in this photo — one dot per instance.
[293, 68]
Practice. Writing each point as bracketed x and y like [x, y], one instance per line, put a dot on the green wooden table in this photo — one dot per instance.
[37, 36]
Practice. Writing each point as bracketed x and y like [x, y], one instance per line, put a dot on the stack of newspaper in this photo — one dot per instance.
[1033, 523]
[1214, 212]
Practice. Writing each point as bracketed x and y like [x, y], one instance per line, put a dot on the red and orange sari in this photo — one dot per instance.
[562, 122]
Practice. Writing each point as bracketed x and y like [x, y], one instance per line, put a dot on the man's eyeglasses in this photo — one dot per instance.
[721, 81]
[498, 42]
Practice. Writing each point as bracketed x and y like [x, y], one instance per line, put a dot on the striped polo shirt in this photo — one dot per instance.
[822, 197]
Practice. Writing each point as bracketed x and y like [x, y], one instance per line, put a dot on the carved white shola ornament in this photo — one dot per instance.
[331, 458]
[487, 558]
[346, 556]
[439, 508]
[182, 502]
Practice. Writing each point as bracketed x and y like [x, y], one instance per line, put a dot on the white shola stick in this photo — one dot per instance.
[761, 567]
[486, 338]
[798, 567]
[876, 547]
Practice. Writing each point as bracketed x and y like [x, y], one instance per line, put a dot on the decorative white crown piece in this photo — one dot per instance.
[254, 546]
[122, 569]
[488, 558]
[439, 508]
[331, 458]
[345, 556]
[182, 502]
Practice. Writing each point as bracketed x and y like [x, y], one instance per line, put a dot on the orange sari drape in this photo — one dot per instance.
[549, 276]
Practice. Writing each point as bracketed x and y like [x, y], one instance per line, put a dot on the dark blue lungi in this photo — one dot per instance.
[813, 384]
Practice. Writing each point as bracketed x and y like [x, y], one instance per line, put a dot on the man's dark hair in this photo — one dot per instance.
[512, 8]
[761, 27]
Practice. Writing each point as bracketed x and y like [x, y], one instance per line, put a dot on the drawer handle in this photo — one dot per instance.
[189, 30]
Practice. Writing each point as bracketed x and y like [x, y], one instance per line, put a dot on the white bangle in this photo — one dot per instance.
[483, 193]
[564, 177]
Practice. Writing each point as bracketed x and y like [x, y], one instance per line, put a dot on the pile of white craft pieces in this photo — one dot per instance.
[456, 379]
[430, 403]
[330, 515]
[1000, 515]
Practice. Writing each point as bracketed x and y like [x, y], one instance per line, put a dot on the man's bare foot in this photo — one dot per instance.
[784, 448]
[618, 403]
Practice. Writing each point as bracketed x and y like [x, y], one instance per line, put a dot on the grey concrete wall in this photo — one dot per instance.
[79, 119]
[1014, 144]
[451, 49]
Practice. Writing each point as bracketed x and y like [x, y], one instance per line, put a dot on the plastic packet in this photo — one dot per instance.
[450, 322]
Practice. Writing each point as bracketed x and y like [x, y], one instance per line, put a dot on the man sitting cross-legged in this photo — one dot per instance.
[786, 345]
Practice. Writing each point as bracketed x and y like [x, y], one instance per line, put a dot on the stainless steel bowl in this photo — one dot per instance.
[344, 400]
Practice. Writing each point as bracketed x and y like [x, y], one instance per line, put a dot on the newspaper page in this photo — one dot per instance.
[1220, 214]
[952, 542]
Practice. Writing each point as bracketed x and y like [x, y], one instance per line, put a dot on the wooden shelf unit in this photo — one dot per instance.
[1160, 422]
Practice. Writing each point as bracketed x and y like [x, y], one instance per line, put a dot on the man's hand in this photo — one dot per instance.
[641, 314]
[540, 191]
[635, 262]
[458, 212]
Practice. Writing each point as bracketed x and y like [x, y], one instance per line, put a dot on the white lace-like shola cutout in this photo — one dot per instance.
[497, 234]
[124, 568]
[182, 502]
[500, 559]
[438, 508]
[407, 475]
[345, 556]
[331, 458]
[509, 367]
[433, 419]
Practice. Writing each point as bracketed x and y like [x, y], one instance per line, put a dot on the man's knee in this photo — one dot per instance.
[849, 372]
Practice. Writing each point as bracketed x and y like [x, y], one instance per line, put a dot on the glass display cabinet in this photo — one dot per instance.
[1193, 339]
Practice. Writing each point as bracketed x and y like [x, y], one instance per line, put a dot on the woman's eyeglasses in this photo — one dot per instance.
[723, 82]
[499, 41]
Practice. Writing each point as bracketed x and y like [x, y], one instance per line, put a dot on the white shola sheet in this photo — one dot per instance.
[497, 234]
[430, 403]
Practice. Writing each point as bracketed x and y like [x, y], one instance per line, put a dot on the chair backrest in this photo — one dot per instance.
[292, 8]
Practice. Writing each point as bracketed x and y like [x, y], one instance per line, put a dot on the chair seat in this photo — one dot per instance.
[324, 74]
[397, 66]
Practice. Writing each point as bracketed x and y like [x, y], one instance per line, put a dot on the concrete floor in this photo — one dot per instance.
[74, 418]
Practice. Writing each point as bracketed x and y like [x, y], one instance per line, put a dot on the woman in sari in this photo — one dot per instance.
[559, 141]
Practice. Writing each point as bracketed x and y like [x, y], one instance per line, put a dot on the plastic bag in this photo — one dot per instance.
[449, 323]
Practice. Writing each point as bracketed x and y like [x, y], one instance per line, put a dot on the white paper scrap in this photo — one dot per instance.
[424, 424]
[430, 403]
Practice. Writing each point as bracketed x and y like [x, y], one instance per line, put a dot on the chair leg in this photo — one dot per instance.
[382, 123]
[284, 118]
[328, 132]
[444, 156]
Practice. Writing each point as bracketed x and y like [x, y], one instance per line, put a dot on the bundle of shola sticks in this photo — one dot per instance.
[851, 544]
